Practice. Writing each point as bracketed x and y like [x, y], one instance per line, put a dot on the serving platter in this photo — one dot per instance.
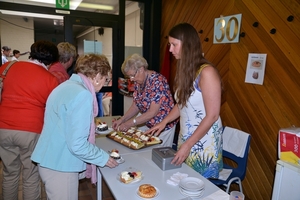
[133, 139]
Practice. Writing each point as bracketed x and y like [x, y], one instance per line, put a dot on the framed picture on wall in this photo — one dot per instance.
[256, 68]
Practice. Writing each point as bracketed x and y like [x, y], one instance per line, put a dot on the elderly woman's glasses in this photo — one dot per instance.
[132, 77]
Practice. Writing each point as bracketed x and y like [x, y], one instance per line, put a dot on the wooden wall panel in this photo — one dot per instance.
[260, 110]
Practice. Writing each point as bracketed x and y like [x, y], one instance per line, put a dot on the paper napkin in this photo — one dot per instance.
[175, 178]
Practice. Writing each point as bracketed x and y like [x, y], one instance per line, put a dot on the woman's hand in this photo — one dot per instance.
[116, 124]
[181, 155]
[124, 126]
[111, 163]
[157, 129]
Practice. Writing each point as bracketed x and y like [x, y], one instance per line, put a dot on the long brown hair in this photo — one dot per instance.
[190, 61]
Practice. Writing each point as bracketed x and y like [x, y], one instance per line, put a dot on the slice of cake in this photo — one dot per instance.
[102, 127]
[128, 177]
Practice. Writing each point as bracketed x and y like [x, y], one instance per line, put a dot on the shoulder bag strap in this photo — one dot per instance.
[3, 75]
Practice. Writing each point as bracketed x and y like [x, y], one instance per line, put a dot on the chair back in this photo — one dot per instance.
[241, 161]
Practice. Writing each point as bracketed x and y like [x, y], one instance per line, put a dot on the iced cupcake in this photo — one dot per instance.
[115, 154]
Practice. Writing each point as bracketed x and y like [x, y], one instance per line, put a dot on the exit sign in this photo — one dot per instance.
[63, 4]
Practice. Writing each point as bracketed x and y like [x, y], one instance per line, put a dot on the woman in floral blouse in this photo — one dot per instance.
[152, 98]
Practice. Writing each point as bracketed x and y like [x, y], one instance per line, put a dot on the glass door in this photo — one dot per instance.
[100, 37]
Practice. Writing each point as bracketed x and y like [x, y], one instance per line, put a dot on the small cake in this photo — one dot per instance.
[125, 141]
[128, 177]
[115, 154]
[102, 127]
[147, 191]
[118, 138]
[112, 134]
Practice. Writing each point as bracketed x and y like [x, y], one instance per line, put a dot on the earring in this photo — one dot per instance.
[97, 83]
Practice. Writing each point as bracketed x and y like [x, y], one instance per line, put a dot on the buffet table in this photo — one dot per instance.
[142, 160]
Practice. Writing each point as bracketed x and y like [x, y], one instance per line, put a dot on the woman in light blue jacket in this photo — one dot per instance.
[66, 145]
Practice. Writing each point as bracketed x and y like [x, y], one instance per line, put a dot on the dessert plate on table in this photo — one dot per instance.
[130, 169]
[104, 132]
[191, 194]
[191, 184]
[157, 194]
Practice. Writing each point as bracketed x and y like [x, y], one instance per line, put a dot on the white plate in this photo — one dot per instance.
[191, 194]
[121, 160]
[104, 132]
[130, 169]
[191, 184]
[157, 194]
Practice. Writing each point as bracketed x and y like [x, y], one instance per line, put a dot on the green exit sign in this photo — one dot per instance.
[63, 4]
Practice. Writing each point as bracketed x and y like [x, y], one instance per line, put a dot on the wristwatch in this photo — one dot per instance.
[134, 121]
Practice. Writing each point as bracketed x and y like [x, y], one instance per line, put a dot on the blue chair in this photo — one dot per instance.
[238, 172]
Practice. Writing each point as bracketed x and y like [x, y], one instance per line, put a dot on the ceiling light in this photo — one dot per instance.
[78, 3]
[26, 14]
[95, 6]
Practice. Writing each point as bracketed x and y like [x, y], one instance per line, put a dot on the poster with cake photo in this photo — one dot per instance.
[256, 68]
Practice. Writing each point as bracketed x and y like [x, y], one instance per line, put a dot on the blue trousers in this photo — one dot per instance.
[100, 107]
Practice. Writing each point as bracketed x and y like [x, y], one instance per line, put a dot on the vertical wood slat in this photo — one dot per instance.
[260, 110]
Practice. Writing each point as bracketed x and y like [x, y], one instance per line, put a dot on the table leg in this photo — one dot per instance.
[99, 184]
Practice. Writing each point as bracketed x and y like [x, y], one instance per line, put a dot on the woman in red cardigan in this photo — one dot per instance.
[26, 88]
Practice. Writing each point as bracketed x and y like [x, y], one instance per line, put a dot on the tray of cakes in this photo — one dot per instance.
[134, 138]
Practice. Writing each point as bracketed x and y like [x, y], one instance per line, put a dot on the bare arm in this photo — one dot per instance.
[157, 129]
[132, 111]
[153, 110]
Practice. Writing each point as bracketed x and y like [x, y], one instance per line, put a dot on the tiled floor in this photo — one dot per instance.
[87, 191]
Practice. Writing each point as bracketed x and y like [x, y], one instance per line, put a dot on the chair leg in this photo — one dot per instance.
[238, 181]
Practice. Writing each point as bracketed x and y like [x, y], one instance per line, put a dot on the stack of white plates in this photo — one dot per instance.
[191, 186]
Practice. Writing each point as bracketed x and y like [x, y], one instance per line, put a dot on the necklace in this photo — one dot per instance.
[142, 87]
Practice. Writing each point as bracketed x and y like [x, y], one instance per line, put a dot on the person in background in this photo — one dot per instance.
[26, 88]
[16, 55]
[107, 96]
[152, 98]
[67, 141]
[198, 96]
[67, 54]
[5, 54]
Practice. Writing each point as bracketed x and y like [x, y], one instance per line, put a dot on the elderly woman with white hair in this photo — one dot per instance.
[152, 98]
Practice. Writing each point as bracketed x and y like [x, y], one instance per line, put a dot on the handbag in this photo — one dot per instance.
[3, 75]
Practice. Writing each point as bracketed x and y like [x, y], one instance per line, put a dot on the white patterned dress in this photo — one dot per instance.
[206, 155]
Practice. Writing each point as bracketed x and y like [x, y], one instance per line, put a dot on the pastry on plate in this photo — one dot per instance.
[102, 127]
[128, 177]
[147, 191]
[115, 154]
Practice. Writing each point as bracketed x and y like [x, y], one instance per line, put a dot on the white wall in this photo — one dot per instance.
[133, 37]
[106, 40]
[133, 33]
[17, 34]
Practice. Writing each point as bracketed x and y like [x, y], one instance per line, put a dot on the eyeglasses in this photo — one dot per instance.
[132, 77]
